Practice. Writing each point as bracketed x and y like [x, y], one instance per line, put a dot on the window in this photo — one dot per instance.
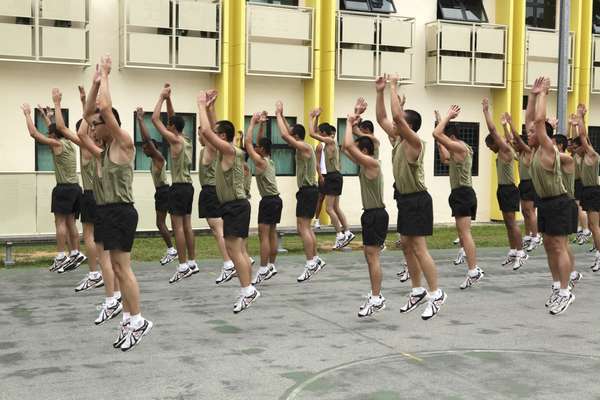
[594, 134]
[596, 17]
[141, 161]
[277, 2]
[462, 10]
[43, 153]
[375, 6]
[469, 133]
[283, 156]
[541, 13]
[347, 166]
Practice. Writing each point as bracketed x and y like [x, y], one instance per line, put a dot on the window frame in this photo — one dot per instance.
[440, 169]
[340, 132]
[596, 17]
[274, 146]
[460, 5]
[276, 2]
[43, 129]
[535, 6]
[369, 8]
[594, 136]
[164, 145]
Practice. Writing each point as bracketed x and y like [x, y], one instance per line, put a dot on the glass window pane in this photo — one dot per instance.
[346, 165]
[284, 161]
[475, 11]
[277, 2]
[382, 6]
[43, 154]
[273, 129]
[354, 5]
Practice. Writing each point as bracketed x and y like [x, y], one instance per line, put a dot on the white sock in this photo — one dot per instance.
[315, 259]
[263, 270]
[117, 294]
[417, 290]
[228, 264]
[556, 285]
[347, 232]
[270, 265]
[136, 320]
[512, 252]
[126, 316]
[527, 238]
[473, 272]
[74, 252]
[573, 274]
[248, 290]
[564, 292]
[436, 293]
[61, 255]
[520, 253]
[597, 254]
[376, 299]
[586, 231]
[171, 250]
[95, 274]
[109, 301]
[182, 267]
[191, 262]
[339, 235]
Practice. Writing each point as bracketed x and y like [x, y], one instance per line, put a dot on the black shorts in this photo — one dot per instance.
[118, 226]
[334, 181]
[269, 210]
[322, 187]
[208, 203]
[396, 192]
[590, 198]
[88, 207]
[578, 189]
[307, 198]
[415, 214]
[66, 199]
[527, 191]
[555, 215]
[374, 223]
[236, 218]
[181, 198]
[161, 198]
[574, 216]
[508, 198]
[99, 222]
[463, 202]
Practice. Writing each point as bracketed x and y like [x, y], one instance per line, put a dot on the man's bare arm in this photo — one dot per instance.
[445, 141]
[60, 122]
[33, 132]
[249, 146]
[209, 134]
[157, 122]
[541, 87]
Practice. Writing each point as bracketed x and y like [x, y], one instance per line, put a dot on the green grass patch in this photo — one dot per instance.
[153, 248]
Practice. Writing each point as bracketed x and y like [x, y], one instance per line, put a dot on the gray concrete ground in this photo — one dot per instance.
[304, 341]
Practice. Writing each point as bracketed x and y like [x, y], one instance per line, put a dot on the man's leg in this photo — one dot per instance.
[274, 239]
[161, 224]
[319, 205]
[555, 248]
[529, 218]
[593, 225]
[463, 226]
[340, 214]
[512, 230]
[307, 236]
[190, 240]
[421, 253]
[412, 263]
[60, 224]
[375, 274]
[235, 249]
[90, 246]
[330, 208]
[216, 226]
[264, 238]
[72, 232]
[180, 242]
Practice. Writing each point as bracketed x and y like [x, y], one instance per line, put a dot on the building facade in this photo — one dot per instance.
[306, 53]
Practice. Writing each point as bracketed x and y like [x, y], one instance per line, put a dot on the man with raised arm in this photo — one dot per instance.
[590, 197]
[583, 232]
[308, 193]
[554, 211]
[333, 180]
[158, 170]
[374, 219]
[235, 208]
[118, 216]
[507, 193]
[181, 193]
[66, 195]
[415, 207]
[208, 201]
[270, 206]
[463, 201]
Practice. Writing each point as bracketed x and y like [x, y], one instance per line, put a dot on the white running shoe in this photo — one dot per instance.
[74, 262]
[510, 259]
[317, 224]
[309, 270]
[371, 306]
[520, 261]
[413, 301]
[179, 275]
[58, 263]
[433, 306]
[584, 237]
[168, 257]
[339, 242]
[596, 265]
[194, 268]
[456, 241]
[244, 302]
[403, 275]
[348, 237]
[461, 257]
[534, 244]
[561, 304]
[134, 335]
[574, 278]
[89, 283]
[226, 275]
[259, 278]
[123, 331]
[471, 280]
[108, 312]
[552, 297]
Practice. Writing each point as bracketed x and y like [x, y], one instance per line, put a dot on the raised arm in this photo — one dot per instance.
[313, 128]
[33, 132]
[60, 122]
[46, 113]
[87, 143]
[351, 149]
[207, 131]
[169, 101]
[210, 103]
[249, 146]
[530, 111]
[169, 136]
[439, 135]
[502, 145]
[444, 153]
[517, 140]
[382, 118]
[105, 105]
[264, 117]
[154, 153]
[585, 142]
[541, 87]
[284, 129]
[404, 129]
[89, 108]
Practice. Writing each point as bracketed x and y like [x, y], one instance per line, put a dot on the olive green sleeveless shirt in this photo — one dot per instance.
[230, 183]
[97, 182]
[589, 173]
[305, 170]
[65, 163]
[547, 183]
[206, 173]
[247, 182]
[266, 181]
[523, 168]
[577, 166]
[569, 182]
[159, 177]
[506, 175]
[409, 177]
[116, 181]
[460, 172]
[332, 161]
[180, 165]
[88, 170]
[371, 190]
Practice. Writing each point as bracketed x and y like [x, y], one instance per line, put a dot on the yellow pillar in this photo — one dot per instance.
[222, 79]
[585, 55]
[576, 14]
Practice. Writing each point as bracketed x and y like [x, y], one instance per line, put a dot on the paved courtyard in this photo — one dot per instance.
[304, 341]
